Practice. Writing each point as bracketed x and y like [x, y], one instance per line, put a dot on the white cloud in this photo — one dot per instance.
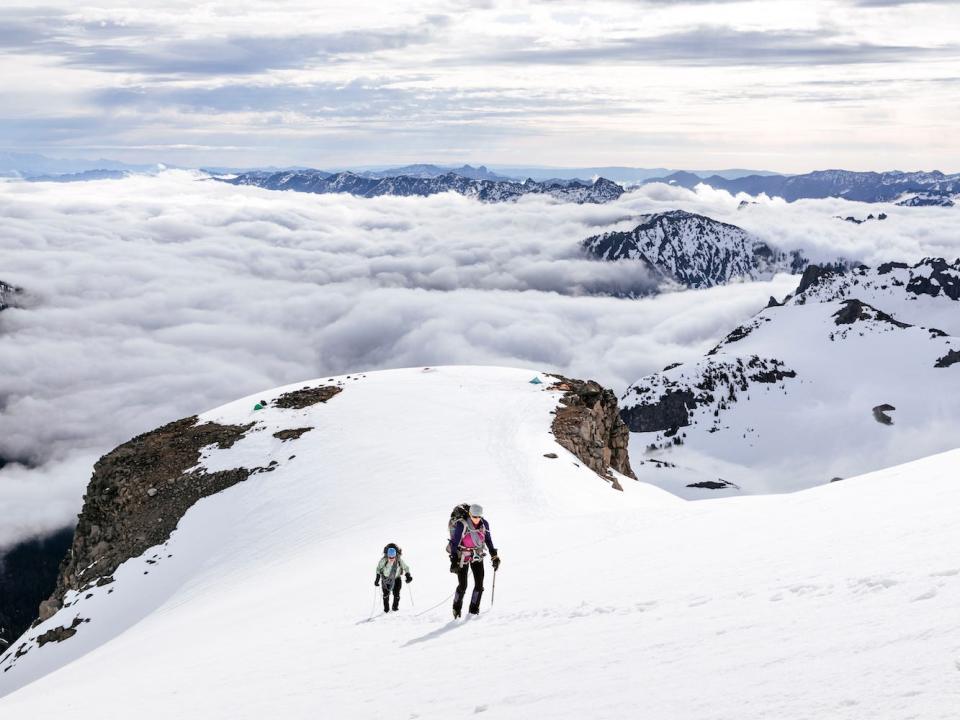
[151, 299]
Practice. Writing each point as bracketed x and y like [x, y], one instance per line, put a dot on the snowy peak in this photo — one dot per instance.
[422, 185]
[693, 250]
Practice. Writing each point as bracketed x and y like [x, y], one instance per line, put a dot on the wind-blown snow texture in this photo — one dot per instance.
[694, 250]
[787, 400]
[837, 602]
[317, 181]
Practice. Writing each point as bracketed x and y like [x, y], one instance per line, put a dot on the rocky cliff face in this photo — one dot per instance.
[588, 424]
[28, 574]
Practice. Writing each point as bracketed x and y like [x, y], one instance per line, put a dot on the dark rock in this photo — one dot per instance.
[8, 295]
[886, 267]
[552, 456]
[28, 574]
[718, 484]
[119, 521]
[880, 414]
[857, 311]
[291, 434]
[949, 359]
[672, 409]
[588, 424]
[814, 274]
[307, 396]
[773, 302]
[61, 633]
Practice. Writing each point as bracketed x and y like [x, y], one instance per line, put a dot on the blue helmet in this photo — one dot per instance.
[391, 552]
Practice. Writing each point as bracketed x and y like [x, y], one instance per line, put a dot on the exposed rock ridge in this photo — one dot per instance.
[587, 423]
[136, 497]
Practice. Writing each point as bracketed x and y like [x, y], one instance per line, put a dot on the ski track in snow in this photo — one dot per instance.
[837, 602]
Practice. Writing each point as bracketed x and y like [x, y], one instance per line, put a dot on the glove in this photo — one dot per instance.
[454, 566]
[409, 578]
[377, 581]
[496, 562]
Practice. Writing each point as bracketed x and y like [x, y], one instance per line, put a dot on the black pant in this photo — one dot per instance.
[477, 568]
[385, 584]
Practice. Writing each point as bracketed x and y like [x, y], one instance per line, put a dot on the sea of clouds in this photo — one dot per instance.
[156, 297]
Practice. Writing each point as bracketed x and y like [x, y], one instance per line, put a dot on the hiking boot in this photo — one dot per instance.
[456, 613]
[396, 605]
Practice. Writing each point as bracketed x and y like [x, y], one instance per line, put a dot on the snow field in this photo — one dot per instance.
[836, 602]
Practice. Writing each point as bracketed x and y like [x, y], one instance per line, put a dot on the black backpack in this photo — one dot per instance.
[460, 512]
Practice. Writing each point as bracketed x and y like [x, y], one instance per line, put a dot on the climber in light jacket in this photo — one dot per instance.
[391, 570]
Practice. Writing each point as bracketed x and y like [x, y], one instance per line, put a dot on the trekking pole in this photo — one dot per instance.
[493, 593]
[373, 608]
[410, 593]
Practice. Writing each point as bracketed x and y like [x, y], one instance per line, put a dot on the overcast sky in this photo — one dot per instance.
[774, 84]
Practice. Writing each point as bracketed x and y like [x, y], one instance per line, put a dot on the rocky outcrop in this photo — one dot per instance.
[7, 295]
[951, 358]
[306, 396]
[136, 497]
[291, 433]
[855, 311]
[880, 414]
[670, 411]
[587, 423]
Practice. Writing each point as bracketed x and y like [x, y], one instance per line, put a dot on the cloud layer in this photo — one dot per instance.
[153, 298]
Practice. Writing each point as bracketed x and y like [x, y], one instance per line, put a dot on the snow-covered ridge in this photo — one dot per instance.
[317, 181]
[693, 250]
[788, 400]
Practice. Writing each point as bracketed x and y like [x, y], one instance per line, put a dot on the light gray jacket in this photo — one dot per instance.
[392, 568]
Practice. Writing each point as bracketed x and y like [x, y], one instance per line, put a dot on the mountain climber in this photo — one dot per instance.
[389, 570]
[468, 538]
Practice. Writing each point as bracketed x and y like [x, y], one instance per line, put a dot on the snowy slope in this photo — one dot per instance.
[838, 602]
[787, 400]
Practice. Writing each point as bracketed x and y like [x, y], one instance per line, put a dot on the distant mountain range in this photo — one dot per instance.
[693, 250]
[33, 165]
[318, 181]
[911, 188]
